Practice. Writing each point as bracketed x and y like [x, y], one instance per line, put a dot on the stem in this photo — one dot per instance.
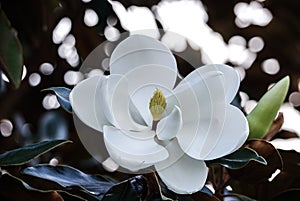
[154, 125]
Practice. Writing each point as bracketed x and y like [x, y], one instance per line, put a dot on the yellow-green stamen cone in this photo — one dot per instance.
[157, 105]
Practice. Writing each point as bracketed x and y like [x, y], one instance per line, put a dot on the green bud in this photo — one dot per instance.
[261, 117]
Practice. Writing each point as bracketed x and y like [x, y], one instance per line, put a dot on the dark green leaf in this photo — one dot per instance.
[11, 54]
[238, 159]
[261, 117]
[69, 179]
[130, 190]
[254, 173]
[62, 94]
[12, 188]
[25, 154]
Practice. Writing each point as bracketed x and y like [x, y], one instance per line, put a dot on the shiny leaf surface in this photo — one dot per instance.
[62, 94]
[69, 179]
[238, 159]
[11, 53]
[25, 154]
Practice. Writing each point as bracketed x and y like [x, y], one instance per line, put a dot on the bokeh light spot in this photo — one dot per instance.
[111, 20]
[95, 72]
[61, 30]
[294, 99]
[90, 18]
[46, 68]
[54, 162]
[50, 102]
[6, 127]
[72, 77]
[237, 40]
[34, 79]
[241, 71]
[252, 13]
[249, 106]
[256, 44]
[271, 66]
[111, 33]
[105, 64]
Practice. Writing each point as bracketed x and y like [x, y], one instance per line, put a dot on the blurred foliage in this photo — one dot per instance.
[26, 38]
[11, 55]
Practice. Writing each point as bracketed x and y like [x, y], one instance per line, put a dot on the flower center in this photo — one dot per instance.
[157, 105]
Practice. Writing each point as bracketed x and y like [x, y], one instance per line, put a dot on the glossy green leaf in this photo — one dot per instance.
[261, 117]
[12, 188]
[130, 190]
[62, 94]
[27, 153]
[69, 179]
[11, 53]
[238, 159]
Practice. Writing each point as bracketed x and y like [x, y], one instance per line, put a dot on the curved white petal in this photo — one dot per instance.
[234, 134]
[116, 103]
[181, 173]
[168, 127]
[231, 78]
[82, 99]
[133, 150]
[110, 165]
[144, 59]
[201, 98]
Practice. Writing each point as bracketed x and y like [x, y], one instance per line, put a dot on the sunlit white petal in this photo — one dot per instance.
[82, 99]
[231, 78]
[137, 51]
[168, 127]
[234, 134]
[117, 107]
[181, 173]
[133, 150]
[201, 98]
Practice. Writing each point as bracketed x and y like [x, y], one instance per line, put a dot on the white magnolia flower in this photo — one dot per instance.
[196, 121]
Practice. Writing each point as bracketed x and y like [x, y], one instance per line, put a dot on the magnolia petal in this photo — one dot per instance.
[181, 173]
[82, 99]
[231, 79]
[168, 127]
[109, 165]
[117, 103]
[137, 51]
[234, 134]
[201, 98]
[133, 150]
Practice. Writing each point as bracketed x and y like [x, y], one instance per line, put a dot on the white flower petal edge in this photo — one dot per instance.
[133, 150]
[169, 126]
[231, 78]
[116, 106]
[137, 51]
[201, 99]
[234, 134]
[82, 99]
[181, 173]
